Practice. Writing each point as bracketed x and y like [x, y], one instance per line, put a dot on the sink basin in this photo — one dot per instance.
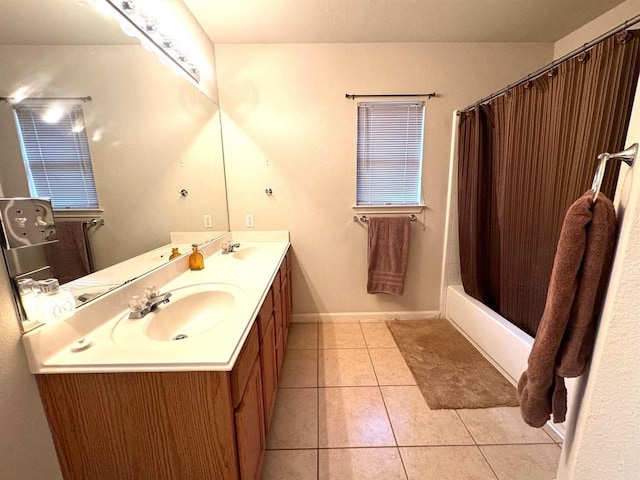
[245, 253]
[191, 311]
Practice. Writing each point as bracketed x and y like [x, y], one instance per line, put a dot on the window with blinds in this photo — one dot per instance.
[56, 154]
[389, 153]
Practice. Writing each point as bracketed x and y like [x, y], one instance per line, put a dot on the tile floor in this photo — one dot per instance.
[348, 408]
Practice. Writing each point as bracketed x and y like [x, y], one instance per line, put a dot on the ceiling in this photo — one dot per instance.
[78, 22]
[373, 21]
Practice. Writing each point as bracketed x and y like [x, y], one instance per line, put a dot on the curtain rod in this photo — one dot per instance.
[354, 96]
[557, 62]
[48, 99]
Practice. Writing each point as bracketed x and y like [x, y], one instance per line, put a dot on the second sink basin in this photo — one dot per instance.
[245, 253]
[191, 311]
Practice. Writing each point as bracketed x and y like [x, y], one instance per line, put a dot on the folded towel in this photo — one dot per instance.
[69, 257]
[566, 334]
[388, 254]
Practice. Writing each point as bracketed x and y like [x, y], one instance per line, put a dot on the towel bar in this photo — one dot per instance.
[628, 156]
[95, 222]
[364, 218]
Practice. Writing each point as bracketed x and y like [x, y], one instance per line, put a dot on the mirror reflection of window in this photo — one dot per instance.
[56, 155]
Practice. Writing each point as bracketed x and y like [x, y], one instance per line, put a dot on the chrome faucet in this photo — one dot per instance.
[140, 306]
[230, 248]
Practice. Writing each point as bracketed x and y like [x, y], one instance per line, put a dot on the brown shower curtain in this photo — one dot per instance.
[524, 158]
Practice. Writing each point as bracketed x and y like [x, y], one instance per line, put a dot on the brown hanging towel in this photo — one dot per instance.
[388, 254]
[564, 340]
[70, 257]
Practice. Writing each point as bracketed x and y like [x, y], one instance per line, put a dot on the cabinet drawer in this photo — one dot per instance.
[244, 364]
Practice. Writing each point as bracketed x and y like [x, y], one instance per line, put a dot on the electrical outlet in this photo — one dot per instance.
[249, 220]
[206, 221]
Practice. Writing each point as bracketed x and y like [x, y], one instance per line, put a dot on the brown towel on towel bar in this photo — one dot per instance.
[388, 254]
[69, 257]
[564, 340]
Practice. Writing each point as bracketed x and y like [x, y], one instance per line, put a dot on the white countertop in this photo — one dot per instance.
[120, 344]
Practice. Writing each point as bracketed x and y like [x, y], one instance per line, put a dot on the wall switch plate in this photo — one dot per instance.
[206, 221]
[249, 220]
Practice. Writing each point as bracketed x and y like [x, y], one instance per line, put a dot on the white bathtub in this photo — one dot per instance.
[501, 342]
[504, 344]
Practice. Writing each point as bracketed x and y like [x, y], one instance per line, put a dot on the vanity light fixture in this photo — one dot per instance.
[147, 28]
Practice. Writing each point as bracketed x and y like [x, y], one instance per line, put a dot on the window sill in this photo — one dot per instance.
[389, 208]
[70, 213]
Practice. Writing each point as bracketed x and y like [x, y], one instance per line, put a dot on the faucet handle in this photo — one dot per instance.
[137, 303]
[151, 292]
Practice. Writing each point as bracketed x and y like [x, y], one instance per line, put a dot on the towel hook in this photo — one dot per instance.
[627, 156]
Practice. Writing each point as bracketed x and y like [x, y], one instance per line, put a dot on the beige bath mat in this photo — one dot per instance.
[450, 372]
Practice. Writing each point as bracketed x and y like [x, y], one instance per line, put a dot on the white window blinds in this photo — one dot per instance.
[389, 156]
[56, 154]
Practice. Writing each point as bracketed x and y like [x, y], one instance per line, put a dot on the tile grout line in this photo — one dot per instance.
[318, 401]
[476, 444]
[465, 427]
[488, 462]
[395, 439]
[382, 447]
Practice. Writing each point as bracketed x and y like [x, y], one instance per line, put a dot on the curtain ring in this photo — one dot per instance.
[623, 37]
[584, 57]
[553, 72]
[527, 85]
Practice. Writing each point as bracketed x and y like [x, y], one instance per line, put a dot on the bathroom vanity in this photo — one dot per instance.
[198, 407]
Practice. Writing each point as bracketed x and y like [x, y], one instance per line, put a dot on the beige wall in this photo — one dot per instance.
[157, 135]
[602, 432]
[26, 446]
[288, 126]
[614, 17]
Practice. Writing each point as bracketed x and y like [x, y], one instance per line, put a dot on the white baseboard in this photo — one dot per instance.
[362, 316]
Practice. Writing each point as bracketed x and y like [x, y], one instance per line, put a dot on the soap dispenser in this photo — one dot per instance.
[53, 305]
[196, 259]
[28, 289]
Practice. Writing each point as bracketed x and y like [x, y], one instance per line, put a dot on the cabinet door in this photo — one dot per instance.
[284, 298]
[250, 427]
[269, 371]
[289, 294]
[279, 314]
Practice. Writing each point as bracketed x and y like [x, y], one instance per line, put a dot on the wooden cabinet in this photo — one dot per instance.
[250, 431]
[141, 425]
[200, 425]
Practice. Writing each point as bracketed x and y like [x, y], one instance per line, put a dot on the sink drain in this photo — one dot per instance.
[180, 336]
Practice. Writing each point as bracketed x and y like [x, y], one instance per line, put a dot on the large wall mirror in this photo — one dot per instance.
[152, 134]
